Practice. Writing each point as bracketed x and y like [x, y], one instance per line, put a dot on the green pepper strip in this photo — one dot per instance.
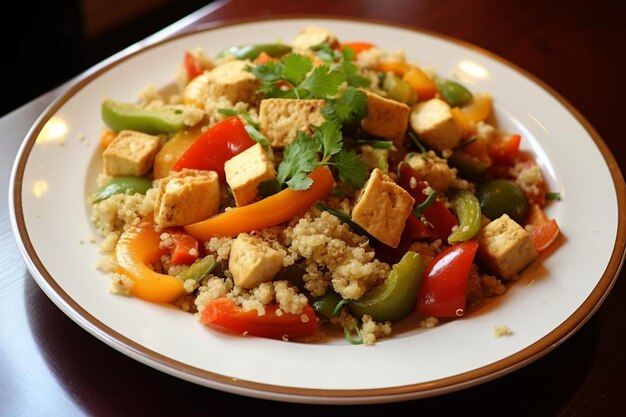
[122, 185]
[199, 270]
[467, 208]
[253, 51]
[395, 298]
[327, 303]
[125, 116]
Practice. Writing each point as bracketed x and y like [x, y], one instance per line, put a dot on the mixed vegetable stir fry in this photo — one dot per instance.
[290, 186]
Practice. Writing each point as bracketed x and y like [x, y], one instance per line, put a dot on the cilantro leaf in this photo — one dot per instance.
[326, 53]
[329, 137]
[295, 68]
[322, 82]
[350, 168]
[348, 109]
[300, 181]
[300, 156]
[349, 68]
[269, 72]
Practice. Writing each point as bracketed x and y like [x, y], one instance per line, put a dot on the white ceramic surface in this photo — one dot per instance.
[56, 174]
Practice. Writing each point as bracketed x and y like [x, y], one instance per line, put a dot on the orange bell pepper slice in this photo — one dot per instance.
[357, 47]
[422, 83]
[544, 230]
[270, 211]
[399, 68]
[136, 250]
[223, 312]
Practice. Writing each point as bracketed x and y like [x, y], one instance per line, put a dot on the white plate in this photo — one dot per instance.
[555, 296]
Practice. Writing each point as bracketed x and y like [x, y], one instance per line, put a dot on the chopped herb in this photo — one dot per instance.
[358, 340]
[420, 208]
[344, 217]
[338, 192]
[244, 115]
[374, 143]
[178, 111]
[553, 196]
[417, 143]
[467, 143]
[341, 61]
[350, 168]
[339, 306]
[260, 139]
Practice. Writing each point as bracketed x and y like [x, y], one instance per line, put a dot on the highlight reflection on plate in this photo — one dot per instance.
[553, 298]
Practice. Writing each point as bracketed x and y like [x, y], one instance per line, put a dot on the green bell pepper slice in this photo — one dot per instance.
[501, 196]
[253, 51]
[467, 166]
[454, 93]
[128, 184]
[126, 116]
[395, 298]
[198, 270]
[467, 208]
[326, 304]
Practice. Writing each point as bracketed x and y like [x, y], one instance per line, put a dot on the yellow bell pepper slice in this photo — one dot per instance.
[136, 250]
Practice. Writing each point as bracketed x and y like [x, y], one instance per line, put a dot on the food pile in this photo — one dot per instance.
[290, 188]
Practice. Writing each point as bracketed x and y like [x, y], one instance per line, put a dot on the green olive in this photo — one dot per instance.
[454, 93]
[498, 197]
[399, 90]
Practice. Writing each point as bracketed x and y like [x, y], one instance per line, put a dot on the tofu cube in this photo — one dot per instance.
[433, 170]
[233, 81]
[186, 197]
[433, 122]
[130, 153]
[385, 118]
[252, 261]
[382, 208]
[311, 36]
[282, 118]
[245, 171]
[505, 247]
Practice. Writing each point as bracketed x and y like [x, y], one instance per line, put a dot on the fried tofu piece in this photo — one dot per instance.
[382, 208]
[433, 170]
[252, 261]
[186, 197]
[130, 153]
[311, 36]
[433, 122]
[282, 118]
[232, 80]
[505, 247]
[385, 118]
[245, 171]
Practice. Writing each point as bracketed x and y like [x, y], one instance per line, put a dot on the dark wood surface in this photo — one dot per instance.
[50, 366]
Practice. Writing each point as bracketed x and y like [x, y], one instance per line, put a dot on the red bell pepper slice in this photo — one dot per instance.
[216, 146]
[192, 66]
[223, 312]
[544, 230]
[184, 250]
[443, 291]
[505, 149]
[437, 213]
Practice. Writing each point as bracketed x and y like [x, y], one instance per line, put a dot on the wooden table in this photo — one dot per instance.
[50, 366]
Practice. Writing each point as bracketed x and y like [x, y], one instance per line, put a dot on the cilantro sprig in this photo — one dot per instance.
[307, 152]
[294, 77]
